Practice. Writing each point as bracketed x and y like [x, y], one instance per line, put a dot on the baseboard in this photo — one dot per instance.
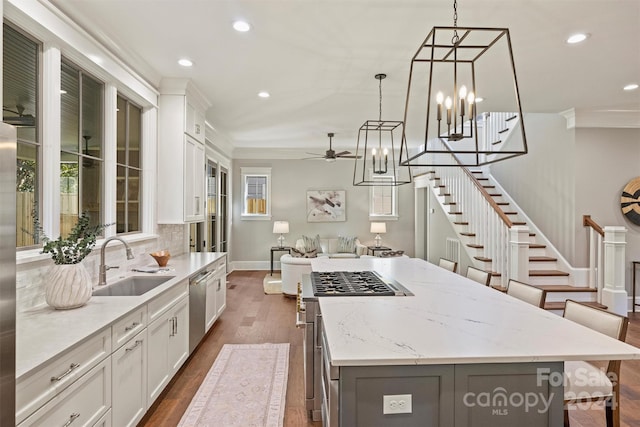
[254, 265]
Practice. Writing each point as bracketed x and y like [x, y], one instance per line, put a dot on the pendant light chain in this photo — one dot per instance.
[380, 91]
[455, 38]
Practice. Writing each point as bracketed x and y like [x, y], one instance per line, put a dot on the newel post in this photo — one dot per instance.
[614, 293]
[519, 254]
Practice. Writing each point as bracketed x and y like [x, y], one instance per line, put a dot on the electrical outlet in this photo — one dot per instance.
[396, 404]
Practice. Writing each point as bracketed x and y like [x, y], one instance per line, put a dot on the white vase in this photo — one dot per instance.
[67, 286]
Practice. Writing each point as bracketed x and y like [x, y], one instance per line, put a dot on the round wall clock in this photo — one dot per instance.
[630, 201]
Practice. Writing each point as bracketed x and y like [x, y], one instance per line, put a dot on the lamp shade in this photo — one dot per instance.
[280, 227]
[378, 227]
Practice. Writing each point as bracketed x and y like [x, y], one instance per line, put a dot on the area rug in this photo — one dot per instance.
[245, 387]
[272, 284]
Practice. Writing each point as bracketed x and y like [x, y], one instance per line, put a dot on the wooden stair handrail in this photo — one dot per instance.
[588, 222]
[484, 192]
[487, 197]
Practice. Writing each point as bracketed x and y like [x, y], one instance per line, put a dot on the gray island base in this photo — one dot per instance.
[476, 395]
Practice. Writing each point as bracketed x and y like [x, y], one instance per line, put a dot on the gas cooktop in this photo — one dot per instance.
[351, 283]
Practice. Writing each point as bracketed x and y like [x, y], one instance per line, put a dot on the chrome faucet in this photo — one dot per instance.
[103, 268]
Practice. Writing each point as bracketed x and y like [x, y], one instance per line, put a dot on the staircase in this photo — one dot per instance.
[543, 264]
[482, 216]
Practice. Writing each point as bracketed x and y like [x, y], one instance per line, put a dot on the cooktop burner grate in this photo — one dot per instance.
[349, 283]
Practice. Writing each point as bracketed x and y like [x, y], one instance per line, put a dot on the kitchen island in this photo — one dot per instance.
[454, 354]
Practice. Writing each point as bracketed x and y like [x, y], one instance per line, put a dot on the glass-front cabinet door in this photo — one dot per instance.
[212, 206]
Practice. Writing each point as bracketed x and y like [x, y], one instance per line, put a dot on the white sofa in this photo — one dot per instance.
[292, 268]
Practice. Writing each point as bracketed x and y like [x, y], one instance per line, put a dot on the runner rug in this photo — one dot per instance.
[245, 387]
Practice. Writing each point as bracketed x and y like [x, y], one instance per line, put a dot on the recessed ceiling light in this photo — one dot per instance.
[632, 86]
[264, 94]
[577, 38]
[479, 99]
[241, 26]
[185, 62]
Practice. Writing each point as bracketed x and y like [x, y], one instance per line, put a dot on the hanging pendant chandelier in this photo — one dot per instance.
[454, 68]
[376, 163]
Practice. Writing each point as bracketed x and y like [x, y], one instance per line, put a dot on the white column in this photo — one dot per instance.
[50, 140]
[149, 168]
[109, 156]
[519, 254]
[614, 294]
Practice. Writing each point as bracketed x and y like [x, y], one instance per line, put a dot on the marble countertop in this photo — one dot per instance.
[451, 319]
[43, 333]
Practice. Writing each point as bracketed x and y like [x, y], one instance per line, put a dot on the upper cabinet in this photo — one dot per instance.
[181, 161]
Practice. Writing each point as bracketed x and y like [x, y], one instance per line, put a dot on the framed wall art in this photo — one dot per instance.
[326, 206]
[630, 201]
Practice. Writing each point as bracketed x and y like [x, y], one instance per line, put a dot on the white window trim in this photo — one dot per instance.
[253, 171]
[394, 216]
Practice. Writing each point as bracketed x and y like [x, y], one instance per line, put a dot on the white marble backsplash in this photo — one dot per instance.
[31, 276]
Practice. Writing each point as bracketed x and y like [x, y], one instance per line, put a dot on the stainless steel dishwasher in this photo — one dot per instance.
[197, 307]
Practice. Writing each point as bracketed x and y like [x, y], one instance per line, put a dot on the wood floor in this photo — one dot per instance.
[253, 317]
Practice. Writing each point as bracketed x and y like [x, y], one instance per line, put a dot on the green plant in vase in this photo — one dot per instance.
[68, 284]
[77, 245]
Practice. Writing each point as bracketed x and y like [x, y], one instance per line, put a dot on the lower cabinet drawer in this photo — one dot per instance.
[84, 403]
[105, 420]
[40, 386]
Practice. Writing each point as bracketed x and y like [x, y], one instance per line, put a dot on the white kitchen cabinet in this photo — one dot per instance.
[105, 421]
[83, 403]
[211, 307]
[181, 160]
[221, 290]
[129, 381]
[179, 337]
[168, 338]
[195, 122]
[47, 382]
[194, 179]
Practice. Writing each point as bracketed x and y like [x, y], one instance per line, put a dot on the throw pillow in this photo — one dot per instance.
[346, 245]
[300, 254]
[311, 243]
[387, 254]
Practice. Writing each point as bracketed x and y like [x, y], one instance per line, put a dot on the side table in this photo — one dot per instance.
[634, 264]
[278, 249]
[374, 249]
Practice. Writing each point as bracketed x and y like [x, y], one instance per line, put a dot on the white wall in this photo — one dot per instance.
[251, 239]
[606, 160]
[542, 182]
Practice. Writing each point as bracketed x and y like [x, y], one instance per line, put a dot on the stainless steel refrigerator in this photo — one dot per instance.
[7, 275]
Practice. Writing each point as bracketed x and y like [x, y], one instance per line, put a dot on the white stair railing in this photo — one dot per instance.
[485, 218]
[596, 252]
[496, 124]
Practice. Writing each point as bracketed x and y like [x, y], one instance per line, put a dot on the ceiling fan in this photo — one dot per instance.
[330, 155]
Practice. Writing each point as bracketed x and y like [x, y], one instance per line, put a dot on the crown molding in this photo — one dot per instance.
[583, 118]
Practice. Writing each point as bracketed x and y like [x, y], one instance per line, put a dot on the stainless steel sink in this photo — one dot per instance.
[131, 286]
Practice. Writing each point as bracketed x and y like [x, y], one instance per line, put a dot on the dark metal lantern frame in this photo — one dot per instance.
[370, 170]
[460, 147]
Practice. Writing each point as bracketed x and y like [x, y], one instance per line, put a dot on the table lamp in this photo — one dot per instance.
[378, 227]
[280, 227]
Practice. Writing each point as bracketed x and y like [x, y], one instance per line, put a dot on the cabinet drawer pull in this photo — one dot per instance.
[72, 418]
[133, 326]
[173, 327]
[133, 347]
[72, 367]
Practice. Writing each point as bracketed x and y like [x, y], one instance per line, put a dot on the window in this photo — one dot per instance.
[383, 198]
[81, 167]
[128, 169]
[20, 108]
[257, 189]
